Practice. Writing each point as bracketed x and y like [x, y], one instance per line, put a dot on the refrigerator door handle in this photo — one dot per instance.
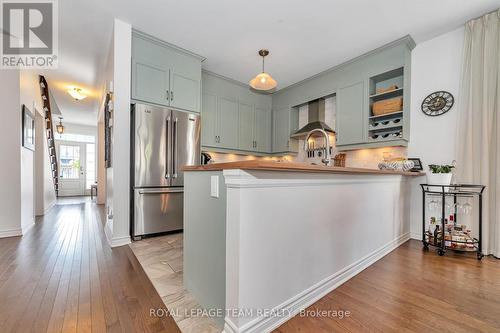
[161, 190]
[167, 150]
[175, 150]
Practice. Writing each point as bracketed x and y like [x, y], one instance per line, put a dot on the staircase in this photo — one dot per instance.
[49, 128]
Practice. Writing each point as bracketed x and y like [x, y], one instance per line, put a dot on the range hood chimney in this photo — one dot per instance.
[316, 119]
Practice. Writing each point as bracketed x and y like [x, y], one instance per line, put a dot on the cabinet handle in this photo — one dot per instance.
[168, 95]
[171, 96]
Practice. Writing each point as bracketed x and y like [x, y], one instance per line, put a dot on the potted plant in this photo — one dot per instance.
[440, 174]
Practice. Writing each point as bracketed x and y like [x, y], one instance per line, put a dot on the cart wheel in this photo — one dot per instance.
[480, 256]
[441, 252]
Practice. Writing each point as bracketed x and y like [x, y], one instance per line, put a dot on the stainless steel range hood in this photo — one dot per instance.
[316, 119]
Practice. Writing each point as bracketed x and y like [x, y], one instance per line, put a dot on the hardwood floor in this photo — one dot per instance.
[63, 277]
[410, 290]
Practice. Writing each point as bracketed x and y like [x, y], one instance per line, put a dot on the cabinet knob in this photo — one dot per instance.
[168, 95]
[172, 96]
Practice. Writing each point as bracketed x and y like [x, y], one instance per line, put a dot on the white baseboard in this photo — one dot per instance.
[309, 296]
[11, 233]
[416, 235]
[27, 228]
[115, 241]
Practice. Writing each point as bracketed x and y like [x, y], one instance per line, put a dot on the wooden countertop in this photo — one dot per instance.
[294, 167]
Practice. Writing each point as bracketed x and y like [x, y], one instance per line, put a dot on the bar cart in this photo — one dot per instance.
[451, 236]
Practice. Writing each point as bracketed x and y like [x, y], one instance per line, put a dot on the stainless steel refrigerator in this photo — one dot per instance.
[163, 141]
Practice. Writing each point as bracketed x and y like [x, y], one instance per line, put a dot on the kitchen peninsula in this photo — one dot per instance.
[270, 238]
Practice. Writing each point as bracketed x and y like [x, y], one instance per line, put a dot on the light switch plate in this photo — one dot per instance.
[214, 186]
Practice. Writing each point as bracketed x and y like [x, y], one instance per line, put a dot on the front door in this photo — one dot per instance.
[71, 159]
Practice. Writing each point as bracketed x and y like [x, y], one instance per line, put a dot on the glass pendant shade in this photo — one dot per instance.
[60, 127]
[263, 81]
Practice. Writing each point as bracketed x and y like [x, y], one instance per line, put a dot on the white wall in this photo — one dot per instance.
[118, 193]
[436, 65]
[10, 143]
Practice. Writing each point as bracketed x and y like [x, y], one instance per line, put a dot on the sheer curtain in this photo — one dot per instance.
[479, 120]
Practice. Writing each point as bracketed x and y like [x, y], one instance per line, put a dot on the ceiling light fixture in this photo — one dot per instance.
[263, 81]
[76, 93]
[60, 126]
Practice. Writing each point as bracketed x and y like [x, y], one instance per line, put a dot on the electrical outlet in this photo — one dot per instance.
[214, 186]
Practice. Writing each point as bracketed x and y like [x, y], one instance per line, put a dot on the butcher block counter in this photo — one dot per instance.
[273, 237]
[291, 166]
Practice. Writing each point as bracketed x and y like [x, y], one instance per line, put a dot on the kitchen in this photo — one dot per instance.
[257, 146]
[253, 167]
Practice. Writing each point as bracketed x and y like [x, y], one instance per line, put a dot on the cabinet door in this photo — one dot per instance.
[350, 114]
[246, 124]
[227, 123]
[262, 130]
[209, 120]
[150, 83]
[184, 91]
[281, 130]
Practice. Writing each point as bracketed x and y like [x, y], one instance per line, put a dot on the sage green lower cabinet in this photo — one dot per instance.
[350, 119]
[246, 127]
[209, 120]
[262, 130]
[227, 123]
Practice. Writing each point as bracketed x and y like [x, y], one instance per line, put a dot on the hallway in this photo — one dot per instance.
[63, 277]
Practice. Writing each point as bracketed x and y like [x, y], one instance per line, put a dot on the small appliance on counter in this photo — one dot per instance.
[163, 141]
[205, 158]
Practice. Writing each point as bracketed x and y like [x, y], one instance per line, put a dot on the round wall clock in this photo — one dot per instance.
[437, 103]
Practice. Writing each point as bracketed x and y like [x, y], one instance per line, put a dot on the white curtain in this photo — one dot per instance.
[479, 120]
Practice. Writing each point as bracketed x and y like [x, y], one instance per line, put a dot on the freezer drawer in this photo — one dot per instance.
[157, 210]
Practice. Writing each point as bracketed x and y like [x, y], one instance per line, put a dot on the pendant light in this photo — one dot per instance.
[60, 126]
[263, 81]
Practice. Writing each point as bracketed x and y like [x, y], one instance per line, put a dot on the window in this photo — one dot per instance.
[91, 165]
[69, 157]
[75, 137]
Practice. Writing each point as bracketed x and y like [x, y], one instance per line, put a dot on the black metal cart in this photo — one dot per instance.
[455, 191]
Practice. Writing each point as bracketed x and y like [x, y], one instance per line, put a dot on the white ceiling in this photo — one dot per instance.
[304, 37]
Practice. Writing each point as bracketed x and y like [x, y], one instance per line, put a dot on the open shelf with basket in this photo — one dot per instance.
[386, 95]
[449, 234]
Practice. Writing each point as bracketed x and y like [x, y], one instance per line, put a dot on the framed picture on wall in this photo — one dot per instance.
[28, 128]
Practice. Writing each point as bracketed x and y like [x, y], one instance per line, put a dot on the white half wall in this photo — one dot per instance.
[436, 65]
[293, 237]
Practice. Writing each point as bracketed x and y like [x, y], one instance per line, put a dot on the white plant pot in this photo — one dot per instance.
[439, 179]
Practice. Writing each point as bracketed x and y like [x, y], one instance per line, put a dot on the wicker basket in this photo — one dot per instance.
[387, 106]
[339, 160]
[390, 88]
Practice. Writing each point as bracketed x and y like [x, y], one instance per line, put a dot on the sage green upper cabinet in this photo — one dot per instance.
[227, 123]
[150, 83]
[262, 130]
[233, 118]
[281, 130]
[351, 114]
[164, 74]
[246, 127]
[209, 119]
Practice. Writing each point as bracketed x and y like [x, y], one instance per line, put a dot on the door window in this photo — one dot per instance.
[69, 157]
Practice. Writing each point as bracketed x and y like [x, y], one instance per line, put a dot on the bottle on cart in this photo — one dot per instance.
[437, 236]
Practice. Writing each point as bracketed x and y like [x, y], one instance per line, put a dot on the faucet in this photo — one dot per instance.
[327, 159]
